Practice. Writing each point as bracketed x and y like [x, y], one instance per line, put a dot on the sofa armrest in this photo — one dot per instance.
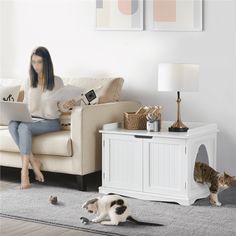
[86, 141]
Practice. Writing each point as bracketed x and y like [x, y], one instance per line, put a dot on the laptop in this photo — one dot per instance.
[17, 111]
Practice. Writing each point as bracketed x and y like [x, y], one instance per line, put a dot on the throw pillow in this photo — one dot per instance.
[111, 91]
[9, 93]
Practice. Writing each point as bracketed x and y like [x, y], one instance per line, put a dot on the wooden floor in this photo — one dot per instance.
[12, 227]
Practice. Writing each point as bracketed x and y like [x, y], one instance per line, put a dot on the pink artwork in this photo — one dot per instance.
[177, 15]
[125, 6]
[165, 10]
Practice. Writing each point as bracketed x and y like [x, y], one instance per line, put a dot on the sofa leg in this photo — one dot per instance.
[81, 182]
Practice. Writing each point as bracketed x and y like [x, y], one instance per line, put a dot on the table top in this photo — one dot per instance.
[195, 129]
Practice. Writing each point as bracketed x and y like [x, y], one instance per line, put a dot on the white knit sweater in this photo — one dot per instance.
[39, 102]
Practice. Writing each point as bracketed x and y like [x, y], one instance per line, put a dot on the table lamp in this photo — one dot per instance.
[178, 78]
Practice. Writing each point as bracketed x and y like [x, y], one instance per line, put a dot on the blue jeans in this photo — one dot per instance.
[22, 132]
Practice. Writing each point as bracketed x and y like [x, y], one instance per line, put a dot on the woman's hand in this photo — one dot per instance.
[69, 104]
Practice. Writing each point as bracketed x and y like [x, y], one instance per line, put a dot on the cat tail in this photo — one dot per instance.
[131, 219]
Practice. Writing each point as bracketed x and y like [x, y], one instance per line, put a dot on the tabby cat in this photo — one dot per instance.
[216, 181]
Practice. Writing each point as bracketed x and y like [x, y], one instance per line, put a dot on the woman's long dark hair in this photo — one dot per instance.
[48, 73]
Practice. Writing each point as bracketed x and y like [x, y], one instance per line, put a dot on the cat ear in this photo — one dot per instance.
[92, 201]
[225, 175]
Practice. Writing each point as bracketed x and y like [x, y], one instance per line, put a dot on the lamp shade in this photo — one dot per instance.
[178, 77]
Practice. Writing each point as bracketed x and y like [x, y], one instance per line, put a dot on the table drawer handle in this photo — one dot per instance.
[142, 136]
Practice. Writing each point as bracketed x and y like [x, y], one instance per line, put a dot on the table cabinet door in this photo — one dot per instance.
[164, 166]
[122, 162]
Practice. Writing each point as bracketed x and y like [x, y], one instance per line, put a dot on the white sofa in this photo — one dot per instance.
[76, 151]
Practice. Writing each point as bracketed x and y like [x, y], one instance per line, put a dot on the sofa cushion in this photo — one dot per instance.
[42, 144]
[111, 91]
[108, 89]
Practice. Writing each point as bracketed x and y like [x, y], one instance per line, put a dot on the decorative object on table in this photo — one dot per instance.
[177, 15]
[119, 15]
[178, 77]
[53, 200]
[137, 120]
[154, 120]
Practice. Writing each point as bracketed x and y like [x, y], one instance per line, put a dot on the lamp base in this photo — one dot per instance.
[178, 126]
[173, 129]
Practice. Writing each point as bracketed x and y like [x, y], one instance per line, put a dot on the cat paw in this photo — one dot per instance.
[109, 223]
[95, 220]
[104, 222]
[212, 202]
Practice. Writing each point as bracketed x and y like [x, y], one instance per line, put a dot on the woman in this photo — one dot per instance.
[41, 85]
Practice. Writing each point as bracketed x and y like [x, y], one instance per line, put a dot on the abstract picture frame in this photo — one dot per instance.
[177, 15]
[119, 15]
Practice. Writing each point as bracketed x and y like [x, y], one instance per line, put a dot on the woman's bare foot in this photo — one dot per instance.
[25, 183]
[36, 165]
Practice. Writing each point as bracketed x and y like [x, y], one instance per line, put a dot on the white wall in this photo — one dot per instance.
[66, 28]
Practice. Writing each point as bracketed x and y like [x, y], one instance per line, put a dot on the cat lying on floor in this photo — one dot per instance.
[113, 207]
[216, 181]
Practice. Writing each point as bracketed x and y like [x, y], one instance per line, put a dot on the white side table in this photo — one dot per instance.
[156, 165]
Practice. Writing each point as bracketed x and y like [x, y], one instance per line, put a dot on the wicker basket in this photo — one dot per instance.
[138, 120]
[134, 121]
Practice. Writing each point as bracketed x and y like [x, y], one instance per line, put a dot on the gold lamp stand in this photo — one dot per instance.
[178, 126]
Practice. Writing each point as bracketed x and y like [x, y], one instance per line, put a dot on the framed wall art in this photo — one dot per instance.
[177, 15]
[119, 14]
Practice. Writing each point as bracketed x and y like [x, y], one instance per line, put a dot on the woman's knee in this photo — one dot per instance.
[23, 128]
[13, 126]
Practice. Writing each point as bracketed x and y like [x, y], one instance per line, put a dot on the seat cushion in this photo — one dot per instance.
[55, 143]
